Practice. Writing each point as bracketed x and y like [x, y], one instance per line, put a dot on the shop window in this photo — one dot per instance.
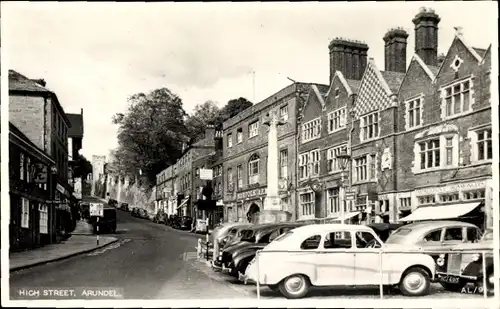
[311, 243]
[361, 203]
[25, 213]
[426, 200]
[336, 241]
[451, 197]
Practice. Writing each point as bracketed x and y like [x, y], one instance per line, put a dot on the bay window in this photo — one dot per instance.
[436, 152]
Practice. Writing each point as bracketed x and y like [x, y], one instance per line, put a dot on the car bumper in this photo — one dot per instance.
[446, 277]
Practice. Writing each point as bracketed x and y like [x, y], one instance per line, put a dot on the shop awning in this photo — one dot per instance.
[183, 203]
[440, 212]
[351, 215]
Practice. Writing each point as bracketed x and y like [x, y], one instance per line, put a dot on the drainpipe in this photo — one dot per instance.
[349, 146]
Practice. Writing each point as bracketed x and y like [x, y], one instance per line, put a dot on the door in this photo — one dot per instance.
[368, 266]
[335, 262]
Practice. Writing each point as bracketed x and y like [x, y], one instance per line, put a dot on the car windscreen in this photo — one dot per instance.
[398, 235]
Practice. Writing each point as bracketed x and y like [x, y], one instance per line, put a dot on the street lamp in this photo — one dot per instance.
[343, 159]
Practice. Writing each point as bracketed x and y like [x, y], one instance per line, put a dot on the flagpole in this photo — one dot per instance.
[253, 82]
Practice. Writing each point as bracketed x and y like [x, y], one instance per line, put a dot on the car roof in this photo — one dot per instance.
[321, 228]
[426, 225]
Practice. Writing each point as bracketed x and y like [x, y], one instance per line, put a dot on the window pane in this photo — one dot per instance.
[433, 236]
[311, 243]
[453, 234]
[333, 241]
[448, 107]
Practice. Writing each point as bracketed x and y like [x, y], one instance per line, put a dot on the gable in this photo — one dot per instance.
[312, 108]
[466, 54]
[373, 92]
[337, 83]
[416, 76]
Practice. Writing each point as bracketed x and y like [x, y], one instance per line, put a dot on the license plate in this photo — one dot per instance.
[449, 279]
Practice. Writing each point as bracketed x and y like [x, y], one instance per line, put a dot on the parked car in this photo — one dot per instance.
[160, 217]
[384, 230]
[112, 203]
[183, 223]
[455, 270]
[142, 213]
[135, 212]
[107, 223]
[124, 207]
[221, 233]
[234, 235]
[293, 274]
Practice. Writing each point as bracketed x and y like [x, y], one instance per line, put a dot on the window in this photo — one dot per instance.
[311, 130]
[414, 113]
[239, 176]
[426, 200]
[253, 129]
[457, 98]
[473, 234]
[239, 136]
[253, 169]
[303, 165]
[484, 145]
[220, 188]
[429, 154]
[369, 126]
[284, 113]
[44, 219]
[336, 241]
[28, 170]
[333, 162]
[284, 164]
[363, 238]
[433, 236]
[405, 202]
[449, 150]
[454, 233]
[230, 178]
[337, 92]
[230, 140]
[25, 213]
[307, 203]
[473, 195]
[21, 166]
[451, 197]
[311, 243]
[309, 164]
[336, 120]
[315, 157]
[361, 203]
[333, 200]
[365, 168]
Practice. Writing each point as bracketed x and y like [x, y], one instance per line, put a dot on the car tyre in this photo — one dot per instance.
[294, 286]
[415, 282]
[453, 287]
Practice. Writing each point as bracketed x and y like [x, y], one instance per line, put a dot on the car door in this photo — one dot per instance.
[367, 263]
[335, 261]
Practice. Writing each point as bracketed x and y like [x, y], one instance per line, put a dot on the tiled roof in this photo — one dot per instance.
[393, 79]
[19, 82]
[76, 121]
[354, 85]
[480, 51]
[433, 69]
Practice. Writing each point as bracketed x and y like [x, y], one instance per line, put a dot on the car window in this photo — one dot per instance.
[336, 241]
[264, 239]
[433, 236]
[311, 243]
[473, 234]
[365, 238]
[453, 233]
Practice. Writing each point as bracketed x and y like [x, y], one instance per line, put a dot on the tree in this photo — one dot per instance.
[150, 134]
[234, 107]
[204, 115]
[81, 167]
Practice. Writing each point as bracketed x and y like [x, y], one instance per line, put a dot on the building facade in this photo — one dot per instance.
[245, 154]
[164, 191]
[75, 144]
[37, 113]
[31, 217]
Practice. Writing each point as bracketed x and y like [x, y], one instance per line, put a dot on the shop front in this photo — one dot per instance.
[250, 203]
[469, 201]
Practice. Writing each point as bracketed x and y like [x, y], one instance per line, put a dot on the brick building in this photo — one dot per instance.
[164, 191]
[37, 113]
[444, 141]
[245, 154]
[324, 131]
[30, 215]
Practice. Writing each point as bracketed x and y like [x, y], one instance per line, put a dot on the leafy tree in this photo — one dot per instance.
[81, 167]
[204, 115]
[234, 107]
[150, 134]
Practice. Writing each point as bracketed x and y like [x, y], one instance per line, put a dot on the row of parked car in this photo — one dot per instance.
[295, 257]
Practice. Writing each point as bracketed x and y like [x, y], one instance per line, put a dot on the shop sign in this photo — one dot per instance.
[452, 188]
[251, 193]
[40, 173]
[60, 189]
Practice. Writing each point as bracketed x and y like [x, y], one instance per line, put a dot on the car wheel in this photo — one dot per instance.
[294, 286]
[453, 287]
[415, 282]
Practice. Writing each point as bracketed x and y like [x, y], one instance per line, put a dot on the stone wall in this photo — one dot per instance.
[132, 194]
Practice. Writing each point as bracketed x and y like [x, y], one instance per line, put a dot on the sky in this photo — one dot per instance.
[95, 55]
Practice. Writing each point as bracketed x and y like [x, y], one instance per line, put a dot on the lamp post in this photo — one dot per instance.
[343, 158]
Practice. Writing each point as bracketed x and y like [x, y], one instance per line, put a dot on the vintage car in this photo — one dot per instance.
[312, 256]
[107, 223]
[222, 233]
[455, 270]
[242, 255]
[234, 235]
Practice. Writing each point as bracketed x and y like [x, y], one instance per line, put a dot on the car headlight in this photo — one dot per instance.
[440, 261]
[476, 257]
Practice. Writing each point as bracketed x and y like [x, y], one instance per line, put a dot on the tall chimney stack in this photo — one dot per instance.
[395, 50]
[348, 57]
[426, 35]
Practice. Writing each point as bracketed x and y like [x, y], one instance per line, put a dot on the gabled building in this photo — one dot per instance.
[445, 149]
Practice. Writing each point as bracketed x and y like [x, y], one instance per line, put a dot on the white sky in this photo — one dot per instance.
[94, 55]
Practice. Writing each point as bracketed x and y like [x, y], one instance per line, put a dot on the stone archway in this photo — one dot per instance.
[252, 210]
